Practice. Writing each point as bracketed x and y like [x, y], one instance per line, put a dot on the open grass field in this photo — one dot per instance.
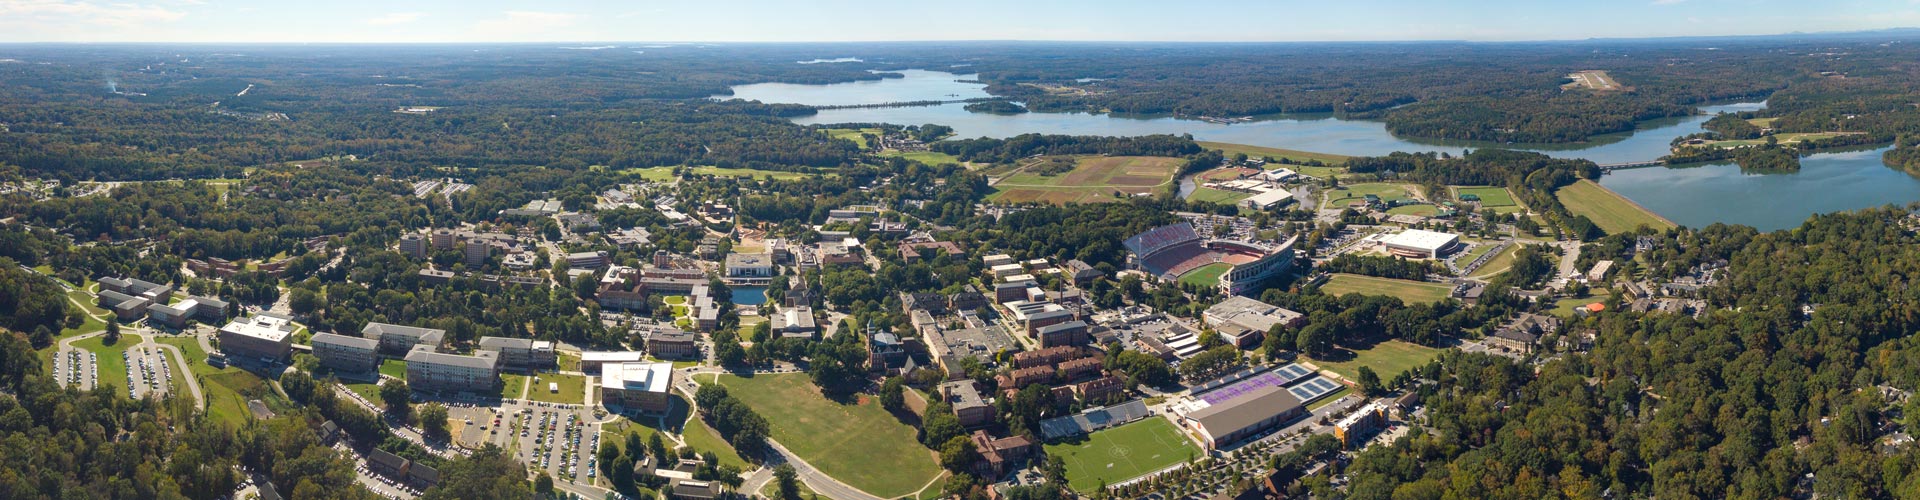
[927, 157]
[513, 386]
[852, 134]
[1565, 306]
[1122, 453]
[394, 368]
[1220, 196]
[1207, 275]
[665, 174]
[1607, 209]
[889, 462]
[1349, 193]
[1783, 138]
[369, 391]
[703, 438]
[1408, 291]
[1386, 358]
[1476, 252]
[1762, 122]
[1489, 196]
[573, 388]
[1329, 398]
[1285, 155]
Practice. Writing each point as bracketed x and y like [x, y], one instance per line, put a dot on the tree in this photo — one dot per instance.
[113, 333]
[658, 446]
[543, 485]
[487, 473]
[608, 452]
[787, 482]
[433, 421]
[303, 301]
[1369, 381]
[636, 450]
[398, 398]
[958, 454]
[893, 395]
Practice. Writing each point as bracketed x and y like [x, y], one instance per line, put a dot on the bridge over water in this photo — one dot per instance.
[1609, 167]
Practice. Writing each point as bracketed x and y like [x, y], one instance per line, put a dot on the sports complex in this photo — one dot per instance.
[1175, 252]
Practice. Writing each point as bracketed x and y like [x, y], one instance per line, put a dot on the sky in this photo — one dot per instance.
[434, 21]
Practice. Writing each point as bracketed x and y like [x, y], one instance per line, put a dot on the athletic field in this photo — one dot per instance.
[1122, 453]
[1207, 275]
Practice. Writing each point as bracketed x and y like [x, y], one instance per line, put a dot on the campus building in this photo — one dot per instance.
[666, 342]
[205, 309]
[1419, 244]
[519, 354]
[645, 387]
[1242, 321]
[396, 340]
[346, 354]
[430, 370]
[267, 337]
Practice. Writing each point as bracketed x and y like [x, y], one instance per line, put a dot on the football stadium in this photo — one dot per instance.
[1175, 250]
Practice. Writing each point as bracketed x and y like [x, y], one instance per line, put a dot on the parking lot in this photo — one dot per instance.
[148, 372]
[558, 438]
[77, 368]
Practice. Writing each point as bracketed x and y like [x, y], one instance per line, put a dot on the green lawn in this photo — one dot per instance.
[394, 368]
[1565, 306]
[1476, 252]
[1788, 138]
[1408, 291]
[927, 157]
[1221, 196]
[1489, 196]
[1207, 275]
[369, 391]
[702, 438]
[1386, 358]
[1286, 155]
[87, 325]
[1498, 264]
[1329, 398]
[859, 444]
[664, 174]
[1349, 193]
[86, 301]
[513, 386]
[1121, 453]
[1609, 210]
[573, 388]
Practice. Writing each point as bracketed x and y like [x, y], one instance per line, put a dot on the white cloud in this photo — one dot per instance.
[524, 25]
[77, 14]
[396, 18]
[1667, 2]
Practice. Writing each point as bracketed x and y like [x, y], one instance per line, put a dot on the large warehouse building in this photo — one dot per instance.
[1419, 244]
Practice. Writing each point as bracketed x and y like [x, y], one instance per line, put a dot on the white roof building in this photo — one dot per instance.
[1268, 199]
[1420, 244]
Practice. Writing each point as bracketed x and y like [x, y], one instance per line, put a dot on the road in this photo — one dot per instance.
[818, 481]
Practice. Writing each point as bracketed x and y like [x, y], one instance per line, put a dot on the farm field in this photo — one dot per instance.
[1408, 291]
[1207, 275]
[1612, 212]
[1121, 453]
[664, 174]
[1349, 193]
[1093, 179]
[1387, 359]
[890, 462]
[1291, 156]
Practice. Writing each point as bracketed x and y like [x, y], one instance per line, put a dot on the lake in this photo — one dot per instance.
[1689, 196]
[1697, 196]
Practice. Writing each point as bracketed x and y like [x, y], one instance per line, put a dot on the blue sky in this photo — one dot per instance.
[871, 20]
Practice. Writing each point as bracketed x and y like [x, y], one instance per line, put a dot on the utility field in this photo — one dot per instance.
[1122, 453]
[1349, 193]
[1607, 209]
[1489, 196]
[1093, 179]
[1291, 156]
[1387, 359]
[1207, 275]
[857, 443]
[1408, 291]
